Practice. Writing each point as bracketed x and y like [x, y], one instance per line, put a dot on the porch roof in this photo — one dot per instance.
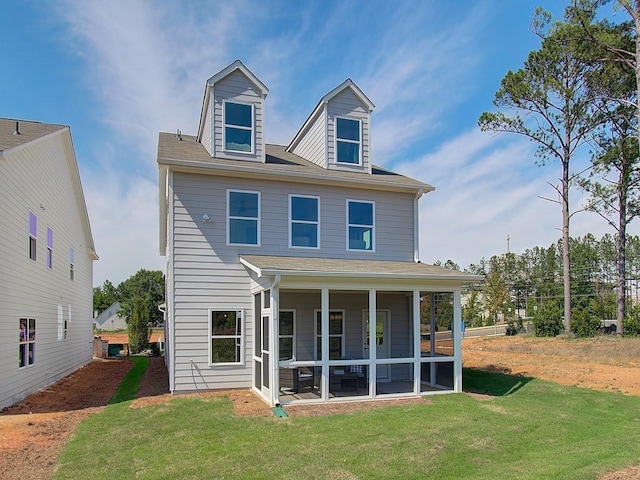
[267, 265]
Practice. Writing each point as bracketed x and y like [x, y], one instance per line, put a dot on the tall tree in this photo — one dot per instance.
[139, 325]
[150, 287]
[104, 296]
[548, 102]
[614, 181]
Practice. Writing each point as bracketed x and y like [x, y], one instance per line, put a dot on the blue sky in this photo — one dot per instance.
[119, 72]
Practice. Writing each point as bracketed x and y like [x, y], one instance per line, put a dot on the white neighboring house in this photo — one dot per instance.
[110, 320]
[285, 264]
[46, 259]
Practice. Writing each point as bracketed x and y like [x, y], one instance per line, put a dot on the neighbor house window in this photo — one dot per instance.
[71, 263]
[347, 141]
[243, 217]
[360, 225]
[27, 342]
[33, 235]
[238, 127]
[225, 328]
[286, 332]
[336, 334]
[49, 247]
[304, 221]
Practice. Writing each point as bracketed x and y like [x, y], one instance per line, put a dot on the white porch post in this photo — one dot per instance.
[372, 341]
[432, 337]
[457, 340]
[274, 347]
[416, 342]
[324, 325]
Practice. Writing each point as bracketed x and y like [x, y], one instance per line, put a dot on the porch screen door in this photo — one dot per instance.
[383, 347]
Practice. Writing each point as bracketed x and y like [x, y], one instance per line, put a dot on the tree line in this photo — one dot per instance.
[531, 286]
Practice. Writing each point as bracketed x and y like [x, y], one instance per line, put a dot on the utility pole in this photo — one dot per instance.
[508, 238]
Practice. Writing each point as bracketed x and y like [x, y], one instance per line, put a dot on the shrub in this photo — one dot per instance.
[514, 328]
[547, 321]
[139, 330]
[632, 322]
[584, 323]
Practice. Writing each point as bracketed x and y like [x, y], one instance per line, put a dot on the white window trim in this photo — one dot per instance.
[373, 227]
[336, 140]
[251, 129]
[315, 332]
[303, 221]
[34, 237]
[25, 344]
[240, 314]
[292, 336]
[229, 191]
[49, 259]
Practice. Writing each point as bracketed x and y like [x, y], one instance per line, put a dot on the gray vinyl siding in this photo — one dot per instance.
[36, 177]
[207, 130]
[312, 146]
[197, 195]
[236, 87]
[346, 104]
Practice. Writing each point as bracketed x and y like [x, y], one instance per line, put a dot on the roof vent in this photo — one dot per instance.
[17, 130]
[179, 135]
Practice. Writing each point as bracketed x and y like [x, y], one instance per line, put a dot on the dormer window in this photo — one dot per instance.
[238, 127]
[348, 141]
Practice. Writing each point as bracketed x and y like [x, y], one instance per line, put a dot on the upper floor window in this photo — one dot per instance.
[49, 247]
[238, 127]
[304, 217]
[33, 235]
[360, 225]
[348, 141]
[225, 330]
[243, 217]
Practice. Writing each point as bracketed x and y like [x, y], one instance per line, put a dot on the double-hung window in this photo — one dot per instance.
[243, 217]
[33, 235]
[360, 225]
[27, 342]
[238, 127]
[336, 334]
[304, 221]
[226, 340]
[49, 247]
[348, 141]
[286, 332]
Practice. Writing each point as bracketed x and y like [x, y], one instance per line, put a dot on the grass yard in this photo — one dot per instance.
[523, 428]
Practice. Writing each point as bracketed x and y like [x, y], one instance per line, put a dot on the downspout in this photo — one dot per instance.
[416, 226]
[275, 314]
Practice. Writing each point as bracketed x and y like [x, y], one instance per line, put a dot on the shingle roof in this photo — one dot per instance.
[189, 153]
[28, 131]
[333, 267]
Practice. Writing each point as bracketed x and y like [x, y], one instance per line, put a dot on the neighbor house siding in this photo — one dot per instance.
[236, 87]
[312, 146]
[346, 104]
[36, 177]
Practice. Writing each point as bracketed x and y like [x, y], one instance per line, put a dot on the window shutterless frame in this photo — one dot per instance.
[243, 218]
[348, 140]
[226, 337]
[361, 225]
[238, 131]
[304, 221]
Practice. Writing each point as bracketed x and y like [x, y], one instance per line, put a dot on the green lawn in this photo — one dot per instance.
[527, 429]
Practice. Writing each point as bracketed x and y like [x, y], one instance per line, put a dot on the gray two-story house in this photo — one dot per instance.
[286, 264]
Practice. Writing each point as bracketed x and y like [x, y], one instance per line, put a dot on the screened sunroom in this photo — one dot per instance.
[337, 330]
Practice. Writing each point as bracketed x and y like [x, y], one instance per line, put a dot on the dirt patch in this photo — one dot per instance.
[34, 431]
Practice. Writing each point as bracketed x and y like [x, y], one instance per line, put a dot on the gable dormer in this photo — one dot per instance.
[232, 118]
[336, 136]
